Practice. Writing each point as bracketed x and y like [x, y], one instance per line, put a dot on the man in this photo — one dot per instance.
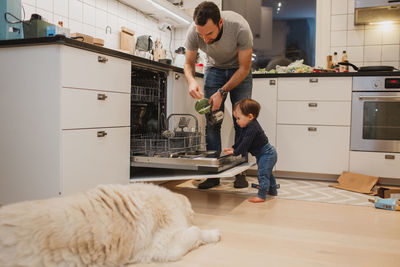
[227, 40]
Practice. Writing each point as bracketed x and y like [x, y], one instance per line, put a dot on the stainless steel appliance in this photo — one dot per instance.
[376, 11]
[375, 122]
[173, 142]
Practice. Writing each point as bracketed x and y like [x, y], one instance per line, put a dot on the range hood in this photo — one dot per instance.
[376, 11]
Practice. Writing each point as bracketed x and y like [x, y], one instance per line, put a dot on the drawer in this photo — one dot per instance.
[89, 70]
[89, 158]
[312, 88]
[375, 163]
[314, 112]
[89, 109]
[314, 149]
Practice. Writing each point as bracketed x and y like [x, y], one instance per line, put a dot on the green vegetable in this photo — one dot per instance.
[202, 106]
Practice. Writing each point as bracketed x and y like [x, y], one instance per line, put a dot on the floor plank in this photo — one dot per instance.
[282, 232]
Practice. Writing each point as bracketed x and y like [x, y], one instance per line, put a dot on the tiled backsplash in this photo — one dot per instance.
[93, 16]
[365, 45]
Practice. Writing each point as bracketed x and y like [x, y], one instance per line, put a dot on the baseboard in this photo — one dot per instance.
[320, 177]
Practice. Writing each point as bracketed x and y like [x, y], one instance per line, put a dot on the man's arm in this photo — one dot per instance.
[189, 70]
[244, 57]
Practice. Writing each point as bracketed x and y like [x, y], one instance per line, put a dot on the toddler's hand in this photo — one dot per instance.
[228, 150]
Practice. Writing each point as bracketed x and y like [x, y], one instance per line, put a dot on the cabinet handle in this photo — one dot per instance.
[389, 156]
[312, 129]
[312, 105]
[177, 76]
[272, 82]
[102, 96]
[102, 59]
[313, 80]
[101, 133]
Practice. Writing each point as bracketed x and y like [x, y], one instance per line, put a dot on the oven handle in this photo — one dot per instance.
[379, 97]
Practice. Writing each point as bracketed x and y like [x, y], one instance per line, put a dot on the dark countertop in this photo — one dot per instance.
[139, 61]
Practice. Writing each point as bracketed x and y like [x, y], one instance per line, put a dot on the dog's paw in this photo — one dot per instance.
[211, 236]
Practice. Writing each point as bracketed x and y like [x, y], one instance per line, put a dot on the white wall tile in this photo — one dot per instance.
[75, 10]
[131, 15]
[89, 2]
[75, 26]
[338, 22]
[350, 23]
[391, 36]
[338, 38]
[29, 2]
[102, 4]
[390, 52]
[112, 7]
[339, 7]
[373, 37]
[372, 53]
[89, 15]
[101, 19]
[45, 5]
[350, 6]
[122, 10]
[89, 30]
[355, 38]
[112, 21]
[61, 7]
[355, 53]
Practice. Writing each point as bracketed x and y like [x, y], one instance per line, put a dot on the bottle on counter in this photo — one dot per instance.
[335, 62]
[344, 68]
[329, 62]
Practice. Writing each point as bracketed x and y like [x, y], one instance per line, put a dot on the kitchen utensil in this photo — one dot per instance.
[127, 42]
[368, 68]
[82, 37]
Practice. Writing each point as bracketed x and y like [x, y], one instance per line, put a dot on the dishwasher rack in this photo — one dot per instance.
[179, 139]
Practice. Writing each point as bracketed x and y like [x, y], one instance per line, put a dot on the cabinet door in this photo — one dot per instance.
[89, 70]
[312, 88]
[90, 158]
[315, 149]
[314, 112]
[375, 163]
[89, 109]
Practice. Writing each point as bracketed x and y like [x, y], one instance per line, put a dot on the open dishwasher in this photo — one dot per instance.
[161, 143]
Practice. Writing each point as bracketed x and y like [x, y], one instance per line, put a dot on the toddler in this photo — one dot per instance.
[253, 139]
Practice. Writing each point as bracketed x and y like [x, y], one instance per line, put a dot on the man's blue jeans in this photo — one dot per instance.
[266, 162]
[213, 80]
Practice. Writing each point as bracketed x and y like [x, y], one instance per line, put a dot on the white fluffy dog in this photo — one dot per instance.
[111, 225]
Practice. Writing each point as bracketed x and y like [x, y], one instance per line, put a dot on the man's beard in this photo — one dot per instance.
[218, 36]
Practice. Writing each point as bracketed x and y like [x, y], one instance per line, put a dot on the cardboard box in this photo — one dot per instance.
[389, 192]
[356, 182]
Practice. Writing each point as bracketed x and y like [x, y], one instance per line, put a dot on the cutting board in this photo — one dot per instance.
[127, 40]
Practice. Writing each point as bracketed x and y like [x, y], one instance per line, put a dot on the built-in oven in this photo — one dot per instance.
[375, 120]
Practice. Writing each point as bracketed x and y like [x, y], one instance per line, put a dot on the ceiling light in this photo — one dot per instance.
[279, 4]
[168, 11]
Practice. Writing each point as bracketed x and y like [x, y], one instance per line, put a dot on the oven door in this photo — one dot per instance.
[375, 124]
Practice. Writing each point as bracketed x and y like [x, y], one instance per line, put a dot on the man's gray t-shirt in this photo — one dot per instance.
[223, 53]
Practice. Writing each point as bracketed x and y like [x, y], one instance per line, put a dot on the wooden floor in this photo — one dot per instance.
[285, 232]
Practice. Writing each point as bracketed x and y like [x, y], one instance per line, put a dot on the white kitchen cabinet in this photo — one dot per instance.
[50, 118]
[313, 124]
[313, 149]
[375, 163]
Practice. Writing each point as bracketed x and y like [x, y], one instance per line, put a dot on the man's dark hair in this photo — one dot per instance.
[204, 11]
[248, 106]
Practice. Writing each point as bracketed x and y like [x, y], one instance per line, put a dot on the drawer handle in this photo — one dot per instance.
[272, 82]
[312, 105]
[313, 80]
[102, 59]
[101, 133]
[102, 96]
[389, 156]
[312, 129]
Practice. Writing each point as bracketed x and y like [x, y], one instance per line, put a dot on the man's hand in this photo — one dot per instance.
[194, 90]
[229, 150]
[216, 100]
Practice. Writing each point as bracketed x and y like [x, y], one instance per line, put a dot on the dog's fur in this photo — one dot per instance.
[110, 225]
